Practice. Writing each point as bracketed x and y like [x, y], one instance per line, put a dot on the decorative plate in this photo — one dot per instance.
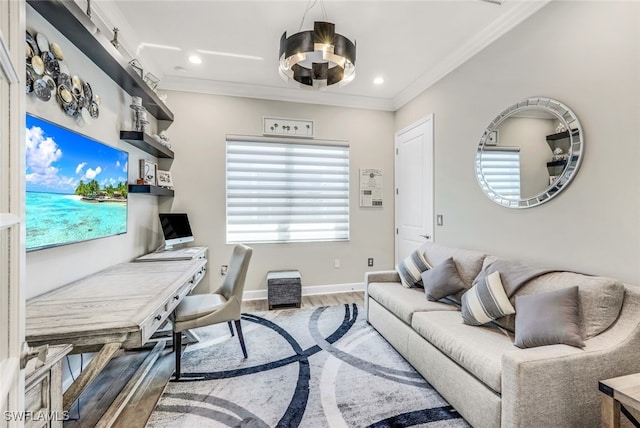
[86, 115]
[51, 66]
[64, 79]
[42, 90]
[65, 95]
[29, 81]
[94, 110]
[28, 53]
[71, 108]
[32, 42]
[56, 50]
[37, 65]
[43, 42]
[50, 82]
[88, 93]
[76, 85]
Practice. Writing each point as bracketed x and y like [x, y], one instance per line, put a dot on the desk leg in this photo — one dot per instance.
[87, 376]
[610, 412]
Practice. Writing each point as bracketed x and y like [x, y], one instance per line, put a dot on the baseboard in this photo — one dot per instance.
[311, 290]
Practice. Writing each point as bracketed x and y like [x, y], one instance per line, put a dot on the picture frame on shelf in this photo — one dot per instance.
[164, 179]
[148, 172]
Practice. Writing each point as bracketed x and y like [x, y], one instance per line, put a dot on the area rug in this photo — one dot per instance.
[309, 367]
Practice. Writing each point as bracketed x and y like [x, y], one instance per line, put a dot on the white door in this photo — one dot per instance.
[12, 122]
[414, 186]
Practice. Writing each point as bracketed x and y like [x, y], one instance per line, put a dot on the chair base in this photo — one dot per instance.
[177, 345]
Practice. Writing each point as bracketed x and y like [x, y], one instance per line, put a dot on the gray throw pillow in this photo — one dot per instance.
[548, 319]
[442, 280]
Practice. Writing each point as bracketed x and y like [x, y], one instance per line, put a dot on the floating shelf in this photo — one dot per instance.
[147, 189]
[75, 25]
[557, 163]
[561, 135]
[146, 143]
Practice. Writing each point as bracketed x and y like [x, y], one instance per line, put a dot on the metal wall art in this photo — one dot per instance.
[49, 77]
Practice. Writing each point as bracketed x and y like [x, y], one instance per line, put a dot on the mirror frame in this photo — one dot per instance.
[574, 159]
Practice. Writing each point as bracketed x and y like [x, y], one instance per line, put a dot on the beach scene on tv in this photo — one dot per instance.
[76, 186]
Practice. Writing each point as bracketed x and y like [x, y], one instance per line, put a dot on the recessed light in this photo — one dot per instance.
[195, 59]
[378, 80]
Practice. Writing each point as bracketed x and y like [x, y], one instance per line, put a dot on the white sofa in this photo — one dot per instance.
[479, 370]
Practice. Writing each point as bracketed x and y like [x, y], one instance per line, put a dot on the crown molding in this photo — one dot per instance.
[492, 32]
[111, 16]
[294, 95]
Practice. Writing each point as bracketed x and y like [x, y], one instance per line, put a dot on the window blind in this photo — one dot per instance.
[286, 191]
[501, 170]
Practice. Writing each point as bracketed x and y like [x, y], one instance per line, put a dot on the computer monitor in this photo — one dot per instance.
[176, 229]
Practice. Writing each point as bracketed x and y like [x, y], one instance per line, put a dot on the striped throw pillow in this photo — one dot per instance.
[486, 301]
[411, 268]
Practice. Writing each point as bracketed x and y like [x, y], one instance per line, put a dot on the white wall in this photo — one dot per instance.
[587, 55]
[199, 133]
[51, 268]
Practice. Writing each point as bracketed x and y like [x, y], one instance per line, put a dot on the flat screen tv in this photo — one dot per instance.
[176, 229]
[76, 186]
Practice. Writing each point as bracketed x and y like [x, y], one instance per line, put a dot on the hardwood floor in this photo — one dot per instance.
[96, 399]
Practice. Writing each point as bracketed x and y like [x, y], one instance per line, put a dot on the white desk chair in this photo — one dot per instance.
[200, 310]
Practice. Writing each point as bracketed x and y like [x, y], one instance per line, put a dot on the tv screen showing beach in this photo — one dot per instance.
[76, 186]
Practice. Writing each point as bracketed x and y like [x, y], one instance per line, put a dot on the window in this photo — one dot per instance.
[286, 191]
[501, 170]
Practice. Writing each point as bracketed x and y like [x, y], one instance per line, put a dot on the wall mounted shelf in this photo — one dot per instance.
[147, 143]
[561, 135]
[147, 189]
[76, 26]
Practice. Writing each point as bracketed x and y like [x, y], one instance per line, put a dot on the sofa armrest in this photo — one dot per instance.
[381, 276]
[546, 385]
[377, 276]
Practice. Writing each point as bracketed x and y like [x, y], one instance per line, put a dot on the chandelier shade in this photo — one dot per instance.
[317, 58]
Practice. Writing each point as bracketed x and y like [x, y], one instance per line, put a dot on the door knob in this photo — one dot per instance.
[425, 236]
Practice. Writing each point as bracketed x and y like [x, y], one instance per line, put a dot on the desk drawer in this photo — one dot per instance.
[153, 323]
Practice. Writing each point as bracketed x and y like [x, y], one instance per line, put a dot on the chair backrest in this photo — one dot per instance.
[233, 284]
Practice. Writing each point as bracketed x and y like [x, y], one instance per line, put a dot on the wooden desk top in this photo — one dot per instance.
[124, 303]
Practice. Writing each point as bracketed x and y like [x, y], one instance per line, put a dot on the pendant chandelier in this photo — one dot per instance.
[317, 58]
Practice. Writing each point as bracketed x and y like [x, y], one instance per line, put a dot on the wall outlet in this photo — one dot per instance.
[336, 263]
[370, 261]
[223, 270]
[439, 220]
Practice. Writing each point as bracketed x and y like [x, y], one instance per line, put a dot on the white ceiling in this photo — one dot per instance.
[411, 44]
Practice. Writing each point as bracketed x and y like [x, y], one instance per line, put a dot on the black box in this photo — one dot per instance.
[284, 288]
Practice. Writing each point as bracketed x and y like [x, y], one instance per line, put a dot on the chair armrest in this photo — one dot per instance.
[557, 385]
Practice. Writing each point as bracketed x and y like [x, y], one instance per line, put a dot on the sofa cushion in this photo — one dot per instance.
[599, 299]
[404, 302]
[411, 268]
[442, 280]
[479, 350]
[548, 319]
[486, 301]
[468, 263]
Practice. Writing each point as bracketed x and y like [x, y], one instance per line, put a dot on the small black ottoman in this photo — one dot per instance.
[284, 288]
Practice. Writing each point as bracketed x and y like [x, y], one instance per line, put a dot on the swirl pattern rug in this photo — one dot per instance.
[310, 367]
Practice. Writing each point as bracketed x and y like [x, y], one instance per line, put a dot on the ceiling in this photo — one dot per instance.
[410, 44]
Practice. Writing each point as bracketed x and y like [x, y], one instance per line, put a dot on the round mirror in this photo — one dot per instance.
[529, 153]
